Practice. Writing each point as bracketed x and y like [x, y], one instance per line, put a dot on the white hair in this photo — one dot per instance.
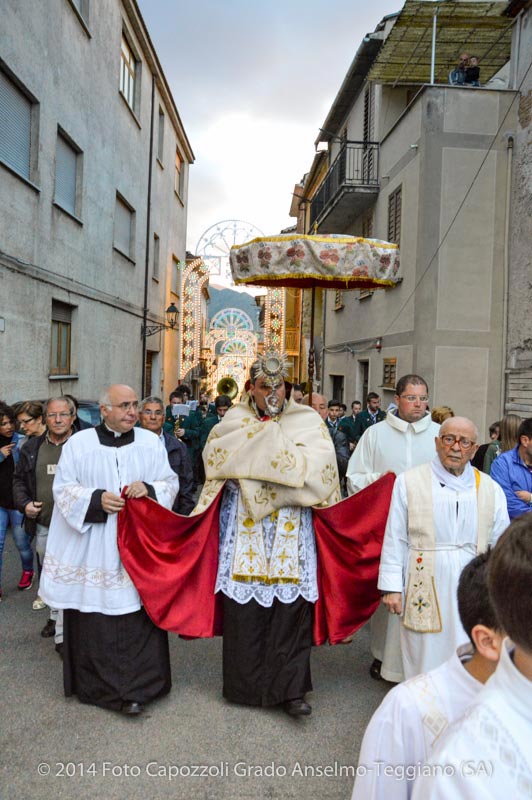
[105, 398]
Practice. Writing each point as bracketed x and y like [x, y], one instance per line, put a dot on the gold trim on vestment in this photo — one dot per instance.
[422, 610]
[286, 464]
[250, 562]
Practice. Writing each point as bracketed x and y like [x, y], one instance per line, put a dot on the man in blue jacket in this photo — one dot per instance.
[513, 472]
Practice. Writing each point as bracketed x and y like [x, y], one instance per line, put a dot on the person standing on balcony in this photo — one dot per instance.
[457, 76]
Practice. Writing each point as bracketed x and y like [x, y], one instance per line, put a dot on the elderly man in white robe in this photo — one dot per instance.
[114, 657]
[403, 440]
[487, 753]
[442, 514]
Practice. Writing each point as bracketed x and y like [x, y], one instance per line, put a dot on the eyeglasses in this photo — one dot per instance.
[449, 440]
[26, 421]
[126, 406]
[152, 413]
[60, 414]
[423, 398]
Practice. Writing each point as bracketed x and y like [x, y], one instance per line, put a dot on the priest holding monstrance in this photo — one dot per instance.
[277, 460]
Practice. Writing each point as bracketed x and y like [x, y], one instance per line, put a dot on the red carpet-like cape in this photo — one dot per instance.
[173, 560]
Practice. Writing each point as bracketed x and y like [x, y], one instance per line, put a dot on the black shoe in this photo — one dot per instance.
[375, 670]
[59, 649]
[131, 709]
[49, 629]
[297, 707]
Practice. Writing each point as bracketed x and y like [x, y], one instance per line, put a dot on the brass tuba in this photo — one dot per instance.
[227, 386]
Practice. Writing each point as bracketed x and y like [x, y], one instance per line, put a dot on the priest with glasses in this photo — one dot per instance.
[442, 514]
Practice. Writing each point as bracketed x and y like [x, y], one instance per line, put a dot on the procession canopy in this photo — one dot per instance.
[331, 261]
[476, 27]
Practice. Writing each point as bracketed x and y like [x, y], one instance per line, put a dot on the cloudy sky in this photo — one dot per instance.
[253, 82]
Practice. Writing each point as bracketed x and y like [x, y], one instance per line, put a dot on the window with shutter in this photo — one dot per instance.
[179, 174]
[160, 139]
[65, 175]
[394, 216]
[156, 256]
[175, 276]
[124, 218]
[15, 127]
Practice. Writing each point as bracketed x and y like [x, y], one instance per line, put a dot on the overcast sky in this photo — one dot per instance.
[253, 82]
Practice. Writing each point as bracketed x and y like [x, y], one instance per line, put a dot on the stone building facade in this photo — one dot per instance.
[94, 166]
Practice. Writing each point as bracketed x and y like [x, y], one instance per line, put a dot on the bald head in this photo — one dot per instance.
[456, 443]
[319, 404]
[464, 423]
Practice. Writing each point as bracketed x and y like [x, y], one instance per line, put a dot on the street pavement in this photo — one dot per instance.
[191, 744]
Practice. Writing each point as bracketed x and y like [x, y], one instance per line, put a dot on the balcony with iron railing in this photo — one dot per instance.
[349, 188]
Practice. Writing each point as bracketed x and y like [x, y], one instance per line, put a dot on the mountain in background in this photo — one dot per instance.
[227, 298]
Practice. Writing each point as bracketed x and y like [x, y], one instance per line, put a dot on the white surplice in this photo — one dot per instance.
[456, 525]
[82, 568]
[391, 445]
[487, 753]
[408, 724]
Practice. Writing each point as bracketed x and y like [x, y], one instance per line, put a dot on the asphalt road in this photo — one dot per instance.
[191, 744]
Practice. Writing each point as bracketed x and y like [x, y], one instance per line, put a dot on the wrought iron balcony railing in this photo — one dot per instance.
[356, 165]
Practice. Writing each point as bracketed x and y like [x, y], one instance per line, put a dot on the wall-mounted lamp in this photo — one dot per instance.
[378, 344]
[171, 314]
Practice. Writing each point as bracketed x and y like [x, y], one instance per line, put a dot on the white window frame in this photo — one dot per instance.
[61, 324]
[129, 73]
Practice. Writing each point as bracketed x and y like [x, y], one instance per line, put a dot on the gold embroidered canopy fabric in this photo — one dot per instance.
[332, 262]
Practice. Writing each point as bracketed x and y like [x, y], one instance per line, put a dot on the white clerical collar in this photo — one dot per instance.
[460, 483]
[116, 434]
[402, 425]
[459, 659]
[508, 680]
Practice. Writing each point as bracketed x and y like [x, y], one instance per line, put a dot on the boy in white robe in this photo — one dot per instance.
[488, 753]
[411, 718]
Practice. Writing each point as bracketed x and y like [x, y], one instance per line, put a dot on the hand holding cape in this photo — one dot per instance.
[173, 560]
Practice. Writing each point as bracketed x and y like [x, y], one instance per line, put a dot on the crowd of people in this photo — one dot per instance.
[453, 574]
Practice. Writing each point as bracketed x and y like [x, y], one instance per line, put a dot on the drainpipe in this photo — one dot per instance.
[147, 261]
[433, 54]
[506, 261]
